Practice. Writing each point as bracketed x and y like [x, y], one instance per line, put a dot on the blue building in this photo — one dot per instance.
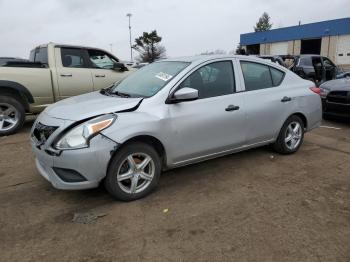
[328, 38]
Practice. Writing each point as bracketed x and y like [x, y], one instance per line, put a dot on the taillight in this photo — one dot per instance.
[315, 90]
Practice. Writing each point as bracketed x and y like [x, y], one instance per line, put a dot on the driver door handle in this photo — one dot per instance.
[231, 108]
[286, 99]
[100, 75]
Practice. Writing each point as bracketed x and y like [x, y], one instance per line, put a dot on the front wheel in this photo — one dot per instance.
[290, 137]
[133, 172]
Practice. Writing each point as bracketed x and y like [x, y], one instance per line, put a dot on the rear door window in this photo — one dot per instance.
[74, 57]
[259, 76]
[256, 76]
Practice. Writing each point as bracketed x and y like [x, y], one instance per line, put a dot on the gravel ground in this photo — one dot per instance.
[251, 206]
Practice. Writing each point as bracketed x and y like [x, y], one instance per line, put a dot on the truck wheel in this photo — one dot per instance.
[12, 115]
[290, 137]
[133, 172]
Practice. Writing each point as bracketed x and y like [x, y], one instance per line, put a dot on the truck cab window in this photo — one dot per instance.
[74, 57]
[100, 59]
[39, 55]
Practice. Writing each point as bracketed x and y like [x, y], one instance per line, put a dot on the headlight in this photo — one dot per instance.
[324, 91]
[79, 136]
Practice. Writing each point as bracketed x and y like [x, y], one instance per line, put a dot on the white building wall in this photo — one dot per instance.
[279, 48]
[343, 50]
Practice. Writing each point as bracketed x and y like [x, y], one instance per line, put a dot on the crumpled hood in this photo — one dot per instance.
[89, 105]
[342, 84]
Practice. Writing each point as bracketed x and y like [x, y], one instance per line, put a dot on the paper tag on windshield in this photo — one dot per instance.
[164, 76]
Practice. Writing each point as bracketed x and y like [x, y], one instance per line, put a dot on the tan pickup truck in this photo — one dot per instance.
[54, 72]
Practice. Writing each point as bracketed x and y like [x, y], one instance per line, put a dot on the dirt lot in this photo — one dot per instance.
[251, 206]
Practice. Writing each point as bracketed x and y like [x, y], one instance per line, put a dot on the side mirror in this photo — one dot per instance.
[184, 94]
[119, 67]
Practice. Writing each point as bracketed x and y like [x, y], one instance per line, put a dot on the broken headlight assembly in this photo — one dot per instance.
[79, 136]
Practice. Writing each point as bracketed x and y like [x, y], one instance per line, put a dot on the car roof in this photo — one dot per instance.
[69, 46]
[203, 58]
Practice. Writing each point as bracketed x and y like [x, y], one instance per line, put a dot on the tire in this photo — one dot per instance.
[122, 174]
[281, 145]
[12, 115]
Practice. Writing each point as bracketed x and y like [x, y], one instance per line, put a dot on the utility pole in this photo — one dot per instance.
[111, 45]
[129, 15]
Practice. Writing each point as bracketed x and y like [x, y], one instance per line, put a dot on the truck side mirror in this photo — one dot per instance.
[119, 67]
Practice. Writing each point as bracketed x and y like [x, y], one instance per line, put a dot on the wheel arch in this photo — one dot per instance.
[151, 141]
[18, 90]
[302, 117]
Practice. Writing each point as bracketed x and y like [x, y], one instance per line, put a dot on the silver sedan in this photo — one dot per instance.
[168, 114]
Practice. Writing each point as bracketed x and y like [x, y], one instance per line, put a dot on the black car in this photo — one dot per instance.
[274, 58]
[5, 60]
[335, 95]
[316, 68]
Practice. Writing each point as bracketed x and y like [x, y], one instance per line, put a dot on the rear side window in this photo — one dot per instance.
[258, 76]
[74, 57]
[277, 76]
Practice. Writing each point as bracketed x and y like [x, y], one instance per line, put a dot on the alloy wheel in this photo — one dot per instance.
[9, 117]
[293, 135]
[135, 173]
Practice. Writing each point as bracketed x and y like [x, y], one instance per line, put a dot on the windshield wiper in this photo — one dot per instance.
[121, 94]
[106, 91]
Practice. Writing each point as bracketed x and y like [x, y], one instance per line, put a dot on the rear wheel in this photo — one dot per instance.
[290, 137]
[133, 172]
[12, 115]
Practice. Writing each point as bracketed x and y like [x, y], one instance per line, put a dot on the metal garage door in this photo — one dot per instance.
[343, 50]
[280, 48]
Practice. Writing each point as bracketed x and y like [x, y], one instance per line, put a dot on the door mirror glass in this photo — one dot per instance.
[119, 67]
[185, 94]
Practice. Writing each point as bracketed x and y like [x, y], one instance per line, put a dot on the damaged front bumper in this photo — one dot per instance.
[73, 169]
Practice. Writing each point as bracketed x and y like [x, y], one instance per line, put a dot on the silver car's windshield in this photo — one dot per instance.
[148, 80]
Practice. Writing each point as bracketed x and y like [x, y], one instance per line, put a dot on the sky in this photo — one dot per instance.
[187, 27]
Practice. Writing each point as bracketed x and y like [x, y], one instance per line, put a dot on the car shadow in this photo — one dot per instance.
[173, 180]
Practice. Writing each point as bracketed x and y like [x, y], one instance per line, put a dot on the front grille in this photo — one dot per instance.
[341, 97]
[43, 132]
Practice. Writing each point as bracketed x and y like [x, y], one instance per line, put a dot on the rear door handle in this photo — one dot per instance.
[66, 75]
[286, 99]
[232, 108]
[100, 75]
